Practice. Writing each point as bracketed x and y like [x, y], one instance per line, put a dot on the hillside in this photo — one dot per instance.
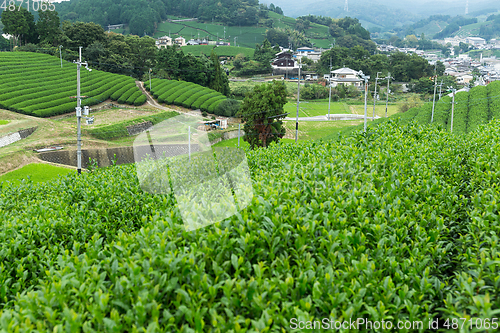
[382, 223]
[35, 84]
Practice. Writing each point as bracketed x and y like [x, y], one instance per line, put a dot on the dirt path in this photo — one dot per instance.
[154, 103]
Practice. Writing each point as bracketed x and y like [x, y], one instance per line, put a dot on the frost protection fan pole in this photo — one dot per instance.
[375, 96]
[452, 109]
[434, 98]
[189, 142]
[79, 64]
[330, 84]
[388, 91]
[298, 101]
[239, 130]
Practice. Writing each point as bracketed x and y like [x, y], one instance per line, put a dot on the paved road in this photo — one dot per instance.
[333, 117]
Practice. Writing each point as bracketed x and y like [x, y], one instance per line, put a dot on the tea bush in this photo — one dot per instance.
[400, 223]
[35, 84]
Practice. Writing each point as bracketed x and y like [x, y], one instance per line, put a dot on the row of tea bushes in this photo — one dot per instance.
[186, 94]
[35, 84]
[402, 226]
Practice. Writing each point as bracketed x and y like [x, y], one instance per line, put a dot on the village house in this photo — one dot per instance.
[345, 76]
[163, 42]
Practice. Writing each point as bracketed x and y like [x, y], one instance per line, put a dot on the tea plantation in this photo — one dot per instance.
[401, 223]
[35, 84]
[186, 94]
[473, 108]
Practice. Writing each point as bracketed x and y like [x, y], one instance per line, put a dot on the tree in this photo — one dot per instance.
[262, 111]
[48, 27]
[21, 25]
[219, 81]
[83, 34]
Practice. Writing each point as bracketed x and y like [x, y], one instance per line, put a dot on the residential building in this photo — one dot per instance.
[163, 42]
[181, 41]
[344, 76]
[285, 65]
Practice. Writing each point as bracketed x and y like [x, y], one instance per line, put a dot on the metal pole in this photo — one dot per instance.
[330, 84]
[239, 131]
[440, 85]
[189, 142]
[434, 98]
[452, 109]
[375, 96]
[60, 54]
[366, 95]
[388, 90]
[79, 115]
[298, 101]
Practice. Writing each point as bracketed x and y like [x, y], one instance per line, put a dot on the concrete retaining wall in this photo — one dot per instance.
[105, 156]
[14, 137]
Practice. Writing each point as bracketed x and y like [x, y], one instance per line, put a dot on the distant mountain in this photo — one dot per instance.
[383, 13]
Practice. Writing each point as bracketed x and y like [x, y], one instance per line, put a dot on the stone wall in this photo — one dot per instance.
[139, 128]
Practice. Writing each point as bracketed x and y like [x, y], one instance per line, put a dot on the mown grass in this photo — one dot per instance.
[36, 172]
[316, 108]
[222, 51]
[4, 122]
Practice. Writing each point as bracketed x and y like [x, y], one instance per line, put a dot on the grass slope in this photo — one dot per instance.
[36, 172]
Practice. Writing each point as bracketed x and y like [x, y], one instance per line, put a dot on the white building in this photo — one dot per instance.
[163, 42]
[181, 41]
[345, 76]
[476, 41]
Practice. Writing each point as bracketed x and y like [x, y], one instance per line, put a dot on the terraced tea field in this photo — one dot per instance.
[35, 84]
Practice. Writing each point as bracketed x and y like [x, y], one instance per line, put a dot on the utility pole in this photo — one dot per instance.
[388, 92]
[365, 78]
[298, 101]
[440, 85]
[452, 107]
[375, 96]
[330, 85]
[434, 98]
[79, 111]
[60, 54]
[224, 33]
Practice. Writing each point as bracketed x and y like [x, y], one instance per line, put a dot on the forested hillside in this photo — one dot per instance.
[143, 16]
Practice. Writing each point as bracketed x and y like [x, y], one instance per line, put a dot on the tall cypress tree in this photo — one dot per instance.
[219, 81]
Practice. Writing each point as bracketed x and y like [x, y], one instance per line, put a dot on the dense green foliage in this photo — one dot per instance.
[186, 94]
[460, 113]
[403, 67]
[173, 63]
[142, 16]
[493, 90]
[35, 84]
[399, 224]
[119, 129]
[262, 111]
[478, 108]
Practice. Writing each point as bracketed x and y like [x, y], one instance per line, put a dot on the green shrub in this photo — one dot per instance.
[493, 89]
[118, 93]
[123, 98]
[188, 102]
[197, 104]
[133, 97]
[228, 108]
[442, 111]
[478, 108]
[460, 113]
[140, 100]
